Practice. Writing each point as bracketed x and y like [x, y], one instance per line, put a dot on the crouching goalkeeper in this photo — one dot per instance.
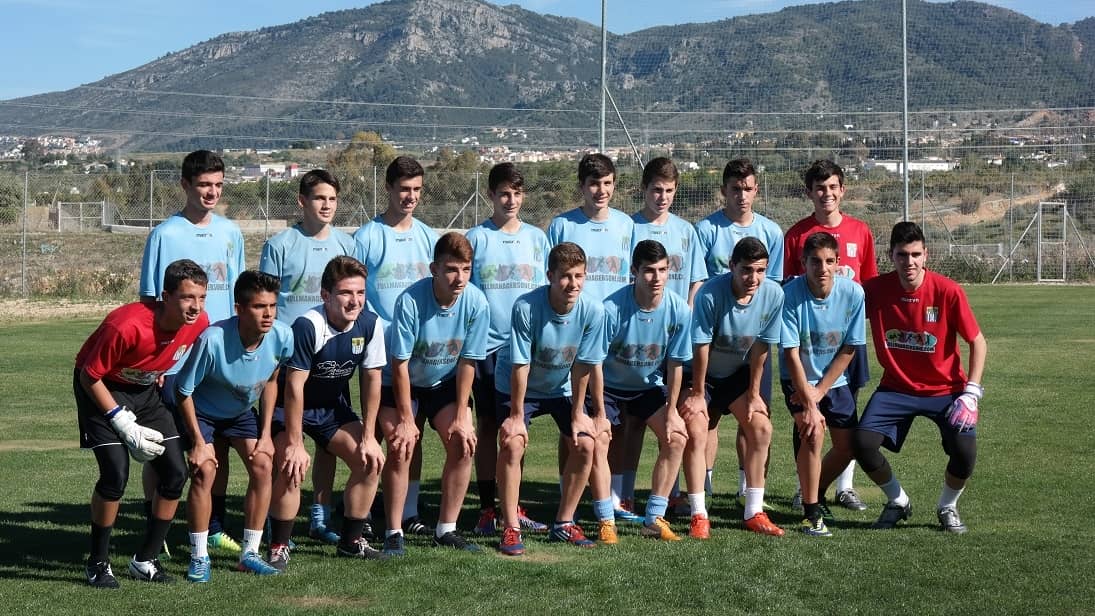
[916, 316]
[121, 414]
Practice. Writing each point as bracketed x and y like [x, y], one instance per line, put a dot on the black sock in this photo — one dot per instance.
[812, 510]
[216, 517]
[351, 531]
[153, 539]
[281, 531]
[100, 543]
[487, 489]
[148, 511]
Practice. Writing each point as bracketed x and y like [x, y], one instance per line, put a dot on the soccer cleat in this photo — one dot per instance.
[165, 552]
[815, 528]
[796, 500]
[850, 500]
[949, 520]
[279, 556]
[324, 534]
[625, 512]
[99, 575]
[367, 530]
[528, 523]
[699, 527]
[659, 530]
[415, 526]
[891, 515]
[486, 526]
[826, 513]
[223, 542]
[251, 562]
[454, 540]
[149, 571]
[199, 570]
[761, 525]
[511, 544]
[570, 533]
[362, 550]
[606, 532]
[394, 545]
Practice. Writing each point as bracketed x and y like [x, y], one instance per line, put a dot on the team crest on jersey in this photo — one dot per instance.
[931, 314]
[357, 345]
[179, 352]
[851, 249]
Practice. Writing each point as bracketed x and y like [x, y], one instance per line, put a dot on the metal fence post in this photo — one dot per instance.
[374, 191]
[26, 193]
[266, 212]
[151, 195]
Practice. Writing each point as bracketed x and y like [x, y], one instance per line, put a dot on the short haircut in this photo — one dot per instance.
[339, 269]
[595, 166]
[737, 169]
[199, 162]
[565, 255]
[819, 240]
[648, 251]
[183, 269]
[747, 250]
[906, 233]
[402, 168]
[453, 244]
[821, 170]
[505, 173]
[660, 168]
[310, 180]
[253, 282]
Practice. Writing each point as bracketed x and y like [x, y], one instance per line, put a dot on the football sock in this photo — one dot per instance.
[812, 511]
[100, 542]
[603, 509]
[628, 492]
[444, 527]
[216, 515]
[199, 547]
[410, 506]
[754, 501]
[281, 531]
[844, 480]
[487, 489]
[949, 496]
[696, 502]
[252, 539]
[351, 531]
[390, 532]
[741, 480]
[655, 508]
[153, 539]
[617, 488]
[147, 510]
[319, 515]
[894, 492]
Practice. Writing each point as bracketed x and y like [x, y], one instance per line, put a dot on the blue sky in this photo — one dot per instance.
[59, 44]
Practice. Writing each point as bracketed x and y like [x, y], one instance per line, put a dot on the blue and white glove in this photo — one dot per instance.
[143, 443]
[963, 411]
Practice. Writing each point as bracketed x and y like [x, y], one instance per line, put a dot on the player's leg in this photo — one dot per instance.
[486, 450]
[961, 449]
[113, 462]
[694, 463]
[455, 476]
[284, 502]
[886, 420]
[600, 476]
[412, 520]
[394, 477]
[323, 481]
[859, 375]
[575, 477]
[625, 467]
[670, 451]
[198, 507]
[360, 490]
[218, 535]
[808, 465]
[244, 435]
[757, 428]
[511, 452]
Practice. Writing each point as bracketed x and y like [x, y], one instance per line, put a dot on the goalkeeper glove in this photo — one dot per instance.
[963, 411]
[143, 443]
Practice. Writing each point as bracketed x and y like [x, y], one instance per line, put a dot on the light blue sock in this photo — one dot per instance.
[655, 508]
[319, 515]
[603, 509]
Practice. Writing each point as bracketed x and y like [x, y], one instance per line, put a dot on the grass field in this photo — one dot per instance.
[1030, 549]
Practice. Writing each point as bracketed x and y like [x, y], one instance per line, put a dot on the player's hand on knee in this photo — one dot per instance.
[675, 428]
[810, 423]
[371, 456]
[143, 443]
[692, 405]
[963, 412]
[401, 439]
[295, 463]
[582, 424]
[464, 433]
[199, 456]
[513, 427]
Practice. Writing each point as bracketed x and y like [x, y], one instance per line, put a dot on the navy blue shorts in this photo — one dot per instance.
[245, 426]
[320, 424]
[859, 370]
[482, 389]
[425, 401]
[837, 407]
[891, 413]
[559, 409]
[721, 393]
[641, 404]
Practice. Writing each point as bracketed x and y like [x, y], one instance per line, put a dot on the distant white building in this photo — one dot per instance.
[925, 165]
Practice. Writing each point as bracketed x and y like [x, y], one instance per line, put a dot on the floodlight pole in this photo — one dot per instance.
[604, 71]
[905, 98]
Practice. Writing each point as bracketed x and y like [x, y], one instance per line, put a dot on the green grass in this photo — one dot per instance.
[1029, 549]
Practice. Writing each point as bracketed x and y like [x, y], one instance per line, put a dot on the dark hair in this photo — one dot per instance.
[595, 166]
[660, 168]
[905, 233]
[648, 251]
[199, 162]
[453, 244]
[821, 170]
[339, 269]
[819, 240]
[737, 169]
[252, 282]
[403, 167]
[310, 180]
[748, 249]
[565, 255]
[183, 269]
[505, 173]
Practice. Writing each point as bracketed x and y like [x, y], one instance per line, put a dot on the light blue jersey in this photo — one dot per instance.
[679, 238]
[607, 245]
[718, 236]
[394, 259]
[505, 267]
[216, 247]
[224, 379]
[549, 343]
[433, 338]
[299, 260]
[819, 327]
[732, 328]
[640, 341]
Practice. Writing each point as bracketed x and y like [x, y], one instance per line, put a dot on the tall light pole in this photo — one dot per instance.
[604, 71]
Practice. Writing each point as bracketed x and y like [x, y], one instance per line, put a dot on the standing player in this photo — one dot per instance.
[121, 413]
[554, 358]
[298, 256]
[916, 317]
[822, 325]
[234, 364]
[216, 244]
[736, 317]
[329, 343]
[824, 181]
[510, 260]
[439, 333]
[397, 249]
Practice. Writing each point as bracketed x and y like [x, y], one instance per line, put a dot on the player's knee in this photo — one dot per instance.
[172, 480]
[584, 447]
[111, 486]
[865, 445]
[261, 467]
[963, 455]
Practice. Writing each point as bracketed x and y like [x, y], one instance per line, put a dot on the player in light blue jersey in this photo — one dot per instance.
[439, 332]
[233, 365]
[510, 260]
[647, 326]
[735, 320]
[298, 256]
[552, 362]
[397, 250]
[823, 321]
